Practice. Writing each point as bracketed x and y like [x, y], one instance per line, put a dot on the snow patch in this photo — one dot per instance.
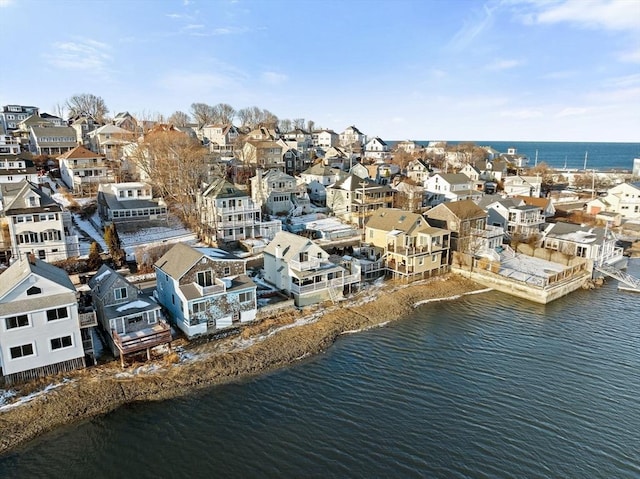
[133, 304]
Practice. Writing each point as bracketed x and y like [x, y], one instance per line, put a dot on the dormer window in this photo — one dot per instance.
[33, 290]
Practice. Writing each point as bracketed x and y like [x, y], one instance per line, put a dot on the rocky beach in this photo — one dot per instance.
[270, 343]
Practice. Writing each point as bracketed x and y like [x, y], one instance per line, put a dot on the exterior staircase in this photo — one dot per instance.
[621, 276]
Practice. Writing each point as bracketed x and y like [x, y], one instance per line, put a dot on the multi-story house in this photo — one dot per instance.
[130, 204]
[522, 185]
[325, 139]
[299, 267]
[109, 140]
[228, 214]
[418, 170]
[221, 138]
[513, 215]
[354, 199]
[83, 126]
[11, 115]
[376, 149]
[264, 154]
[133, 321]
[352, 138]
[82, 170]
[408, 146]
[53, 119]
[126, 121]
[279, 194]
[447, 187]
[41, 329]
[8, 144]
[51, 140]
[464, 219]
[594, 243]
[622, 199]
[317, 178]
[14, 168]
[204, 289]
[37, 224]
[412, 249]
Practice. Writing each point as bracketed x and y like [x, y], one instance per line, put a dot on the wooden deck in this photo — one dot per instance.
[144, 339]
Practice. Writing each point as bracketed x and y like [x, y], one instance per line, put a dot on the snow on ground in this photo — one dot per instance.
[25, 399]
[529, 269]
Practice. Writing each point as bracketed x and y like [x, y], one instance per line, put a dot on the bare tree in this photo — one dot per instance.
[253, 117]
[203, 114]
[59, 110]
[298, 123]
[224, 113]
[179, 118]
[311, 125]
[88, 105]
[285, 125]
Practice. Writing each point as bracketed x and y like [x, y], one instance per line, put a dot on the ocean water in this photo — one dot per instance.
[600, 156]
[485, 386]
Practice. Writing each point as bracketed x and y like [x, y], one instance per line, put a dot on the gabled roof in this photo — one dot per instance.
[290, 245]
[275, 175]
[181, 258]
[377, 139]
[104, 280]
[465, 209]
[14, 195]
[35, 120]
[221, 188]
[110, 129]
[23, 268]
[453, 178]
[55, 131]
[488, 200]
[542, 203]
[79, 152]
[320, 169]
[577, 233]
[387, 219]
[353, 182]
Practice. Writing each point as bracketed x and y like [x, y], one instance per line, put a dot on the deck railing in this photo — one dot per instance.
[87, 319]
[156, 336]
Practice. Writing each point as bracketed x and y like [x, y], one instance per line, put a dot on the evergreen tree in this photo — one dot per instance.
[113, 244]
[95, 259]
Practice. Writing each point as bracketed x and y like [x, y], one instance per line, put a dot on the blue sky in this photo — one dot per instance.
[424, 69]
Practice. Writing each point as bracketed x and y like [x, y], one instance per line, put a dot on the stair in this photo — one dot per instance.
[621, 276]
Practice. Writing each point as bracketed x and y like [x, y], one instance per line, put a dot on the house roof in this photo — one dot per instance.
[542, 203]
[464, 209]
[488, 200]
[454, 178]
[180, 259]
[320, 169]
[388, 219]
[14, 195]
[79, 152]
[290, 245]
[110, 129]
[577, 233]
[353, 183]
[55, 131]
[221, 188]
[23, 267]
[36, 120]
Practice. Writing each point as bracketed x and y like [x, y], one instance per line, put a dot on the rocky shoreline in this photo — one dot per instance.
[269, 344]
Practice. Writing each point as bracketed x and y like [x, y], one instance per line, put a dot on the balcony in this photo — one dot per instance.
[87, 319]
[229, 210]
[310, 264]
[143, 339]
[488, 232]
[216, 288]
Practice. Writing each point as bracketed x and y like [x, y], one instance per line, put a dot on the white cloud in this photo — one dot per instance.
[472, 28]
[81, 54]
[630, 56]
[504, 65]
[522, 114]
[194, 26]
[5, 3]
[274, 78]
[571, 111]
[600, 14]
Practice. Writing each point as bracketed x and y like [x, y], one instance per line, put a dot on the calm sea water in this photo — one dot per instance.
[601, 156]
[486, 386]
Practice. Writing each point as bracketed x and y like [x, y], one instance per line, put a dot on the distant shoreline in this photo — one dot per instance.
[97, 391]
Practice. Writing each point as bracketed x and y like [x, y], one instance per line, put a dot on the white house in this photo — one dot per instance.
[450, 187]
[317, 178]
[595, 243]
[623, 199]
[522, 185]
[229, 214]
[37, 224]
[324, 139]
[81, 170]
[51, 140]
[15, 168]
[204, 290]
[353, 138]
[302, 269]
[131, 203]
[376, 149]
[40, 327]
[279, 194]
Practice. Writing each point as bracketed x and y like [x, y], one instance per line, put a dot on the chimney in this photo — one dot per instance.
[278, 252]
[31, 258]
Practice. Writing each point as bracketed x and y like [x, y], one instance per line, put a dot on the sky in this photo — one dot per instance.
[509, 70]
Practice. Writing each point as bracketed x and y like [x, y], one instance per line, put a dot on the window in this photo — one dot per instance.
[16, 321]
[205, 278]
[200, 307]
[33, 290]
[61, 342]
[58, 313]
[245, 297]
[120, 293]
[21, 351]
[227, 270]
